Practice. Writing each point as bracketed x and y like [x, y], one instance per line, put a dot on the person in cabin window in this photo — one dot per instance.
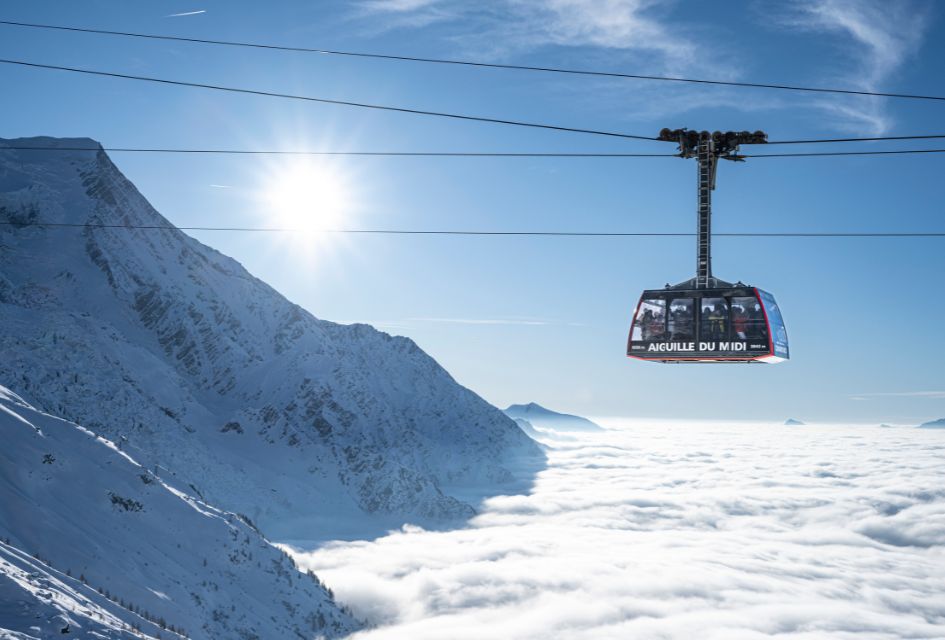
[716, 322]
[740, 322]
[645, 323]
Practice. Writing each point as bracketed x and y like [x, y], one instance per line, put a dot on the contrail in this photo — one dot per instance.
[186, 13]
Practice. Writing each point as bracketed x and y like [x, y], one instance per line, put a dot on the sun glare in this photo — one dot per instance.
[309, 198]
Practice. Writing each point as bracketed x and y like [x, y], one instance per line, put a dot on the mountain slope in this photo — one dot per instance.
[544, 418]
[155, 340]
[89, 538]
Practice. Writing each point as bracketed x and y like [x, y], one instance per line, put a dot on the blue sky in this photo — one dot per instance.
[545, 319]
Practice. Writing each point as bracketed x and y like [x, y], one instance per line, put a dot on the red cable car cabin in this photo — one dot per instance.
[726, 323]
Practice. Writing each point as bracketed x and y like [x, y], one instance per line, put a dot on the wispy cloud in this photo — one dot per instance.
[407, 14]
[509, 321]
[399, 6]
[877, 39]
[633, 34]
[221, 186]
[638, 27]
[186, 13]
[935, 395]
[627, 25]
[499, 321]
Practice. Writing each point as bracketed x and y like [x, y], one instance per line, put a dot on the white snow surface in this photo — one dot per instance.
[201, 370]
[90, 541]
[678, 531]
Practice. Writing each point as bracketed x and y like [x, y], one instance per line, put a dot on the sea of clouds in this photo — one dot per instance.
[678, 530]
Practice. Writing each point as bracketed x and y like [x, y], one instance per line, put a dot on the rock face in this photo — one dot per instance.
[933, 424]
[93, 543]
[210, 376]
[544, 418]
[527, 428]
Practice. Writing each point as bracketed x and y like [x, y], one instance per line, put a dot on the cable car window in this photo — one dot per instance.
[714, 319]
[680, 320]
[650, 323]
[778, 332]
[748, 320]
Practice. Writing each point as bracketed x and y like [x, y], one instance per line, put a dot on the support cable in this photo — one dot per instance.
[346, 103]
[468, 232]
[468, 63]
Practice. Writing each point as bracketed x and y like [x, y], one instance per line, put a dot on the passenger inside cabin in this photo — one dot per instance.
[656, 326]
[740, 322]
[645, 321]
[757, 326]
[680, 321]
[713, 320]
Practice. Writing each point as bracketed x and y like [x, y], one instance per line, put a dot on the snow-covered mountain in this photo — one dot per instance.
[544, 418]
[210, 376]
[95, 545]
[933, 424]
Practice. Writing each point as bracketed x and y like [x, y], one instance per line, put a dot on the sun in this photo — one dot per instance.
[308, 198]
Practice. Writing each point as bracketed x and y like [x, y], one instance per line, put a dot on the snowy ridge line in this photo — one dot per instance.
[74, 503]
[70, 594]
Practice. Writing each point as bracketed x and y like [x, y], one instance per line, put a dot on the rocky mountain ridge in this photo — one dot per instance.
[92, 544]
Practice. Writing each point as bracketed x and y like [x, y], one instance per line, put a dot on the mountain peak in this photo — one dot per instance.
[544, 418]
[150, 336]
[49, 142]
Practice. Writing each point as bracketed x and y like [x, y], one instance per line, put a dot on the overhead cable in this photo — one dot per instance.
[468, 63]
[467, 232]
[450, 154]
[420, 112]
[932, 136]
[462, 154]
[347, 103]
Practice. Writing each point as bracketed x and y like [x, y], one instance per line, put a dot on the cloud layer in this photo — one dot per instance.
[678, 531]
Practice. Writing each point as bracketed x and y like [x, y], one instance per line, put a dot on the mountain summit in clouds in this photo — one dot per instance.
[544, 418]
[207, 374]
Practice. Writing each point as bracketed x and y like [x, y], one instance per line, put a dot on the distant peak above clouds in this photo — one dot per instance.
[544, 418]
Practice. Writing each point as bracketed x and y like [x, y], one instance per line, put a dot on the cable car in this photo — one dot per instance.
[706, 319]
[724, 323]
